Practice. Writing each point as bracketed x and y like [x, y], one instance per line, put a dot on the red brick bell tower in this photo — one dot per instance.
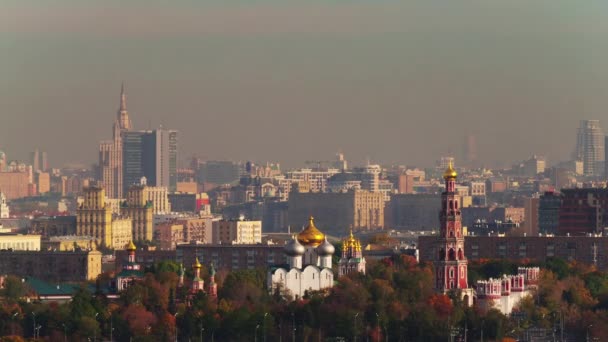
[450, 262]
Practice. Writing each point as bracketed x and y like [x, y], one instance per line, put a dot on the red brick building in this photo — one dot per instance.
[583, 211]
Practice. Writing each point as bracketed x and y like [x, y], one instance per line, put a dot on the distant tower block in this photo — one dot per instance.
[470, 150]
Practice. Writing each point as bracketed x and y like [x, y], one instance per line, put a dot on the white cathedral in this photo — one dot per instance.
[309, 263]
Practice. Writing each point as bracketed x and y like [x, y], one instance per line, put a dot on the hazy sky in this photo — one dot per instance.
[395, 81]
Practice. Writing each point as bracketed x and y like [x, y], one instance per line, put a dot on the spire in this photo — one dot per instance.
[123, 123]
[123, 98]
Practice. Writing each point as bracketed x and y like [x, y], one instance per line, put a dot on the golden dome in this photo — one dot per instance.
[131, 246]
[196, 264]
[351, 242]
[450, 173]
[311, 236]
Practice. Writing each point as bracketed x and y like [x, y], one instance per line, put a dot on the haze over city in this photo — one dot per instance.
[287, 81]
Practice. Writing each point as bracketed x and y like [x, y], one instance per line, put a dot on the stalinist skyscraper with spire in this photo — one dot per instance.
[110, 152]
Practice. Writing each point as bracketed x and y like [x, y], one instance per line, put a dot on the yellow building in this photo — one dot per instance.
[122, 232]
[237, 232]
[158, 195]
[68, 243]
[43, 182]
[140, 210]
[19, 242]
[94, 217]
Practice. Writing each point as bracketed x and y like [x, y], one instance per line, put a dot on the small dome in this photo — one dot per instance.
[311, 236]
[294, 248]
[450, 173]
[196, 264]
[326, 248]
[131, 246]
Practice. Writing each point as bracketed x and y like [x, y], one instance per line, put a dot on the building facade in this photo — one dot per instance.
[548, 212]
[16, 184]
[19, 242]
[590, 147]
[52, 266]
[157, 195]
[48, 226]
[122, 229]
[231, 257]
[151, 154]
[237, 232]
[504, 294]
[583, 211]
[589, 250]
[94, 217]
[141, 211]
[356, 209]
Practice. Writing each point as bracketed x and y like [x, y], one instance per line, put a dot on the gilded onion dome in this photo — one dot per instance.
[131, 246]
[196, 264]
[351, 242]
[325, 248]
[294, 248]
[450, 172]
[311, 236]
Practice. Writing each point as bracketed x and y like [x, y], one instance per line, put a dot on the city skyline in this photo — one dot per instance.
[371, 80]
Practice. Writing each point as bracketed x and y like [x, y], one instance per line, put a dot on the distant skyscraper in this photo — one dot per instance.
[590, 147]
[39, 161]
[35, 160]
[470, 150]
[110, 152]
[150, 154]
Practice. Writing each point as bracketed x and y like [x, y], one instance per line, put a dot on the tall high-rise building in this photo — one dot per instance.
[590, 147]
[110, 151]
[39, 161]
[470, 151]
[150, 154]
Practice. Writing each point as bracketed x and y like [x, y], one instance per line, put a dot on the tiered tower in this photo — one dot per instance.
[451, 264]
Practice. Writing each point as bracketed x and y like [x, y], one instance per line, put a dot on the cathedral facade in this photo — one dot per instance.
[309, 264]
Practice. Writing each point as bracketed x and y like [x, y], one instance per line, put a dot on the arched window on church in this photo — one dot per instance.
[451, 254]
[460, 254]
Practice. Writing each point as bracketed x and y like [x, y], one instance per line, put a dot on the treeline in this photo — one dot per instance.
[394, 301]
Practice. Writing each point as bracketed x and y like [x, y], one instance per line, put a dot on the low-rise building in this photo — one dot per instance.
[19, 242]
[590, 250]
[77, 266]
[54, 225]
[231, 257]
[504, 294]
[68, 243]
[237, 232]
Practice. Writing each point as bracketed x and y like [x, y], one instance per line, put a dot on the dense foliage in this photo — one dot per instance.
[394, 301]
